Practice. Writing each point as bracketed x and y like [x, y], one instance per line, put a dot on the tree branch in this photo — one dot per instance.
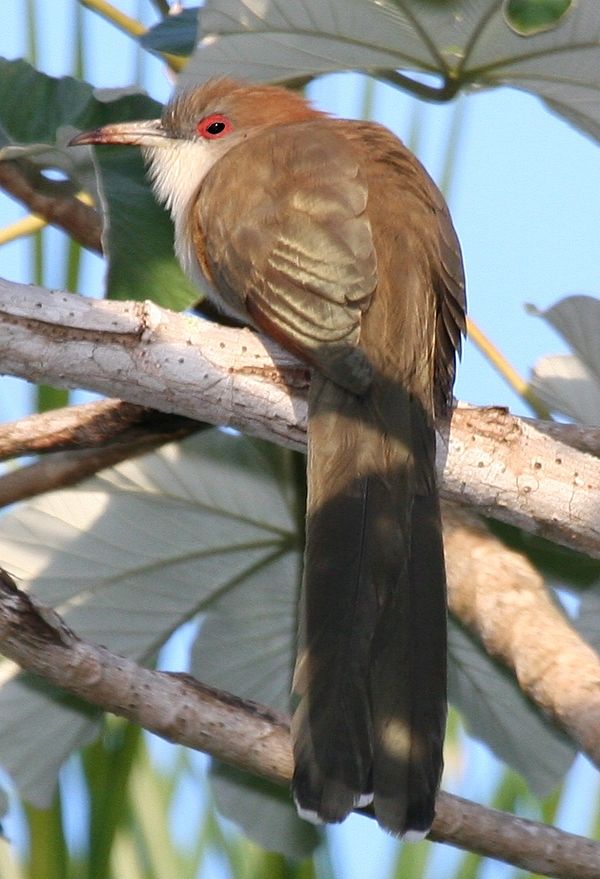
[68, 468]
[500, 465]
[514, 470]
[89, 426]
[499, 595]
[579, 436]
[247, 735]
[83, 439]
[23, 181]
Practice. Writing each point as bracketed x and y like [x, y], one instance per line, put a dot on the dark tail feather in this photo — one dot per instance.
[371, 664]
[410, 720]
[332, 724]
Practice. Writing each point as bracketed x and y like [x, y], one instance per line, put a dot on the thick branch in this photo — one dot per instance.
[500, 465]
[512, 469]
[499, 595]
[582, 437]
[256, 739]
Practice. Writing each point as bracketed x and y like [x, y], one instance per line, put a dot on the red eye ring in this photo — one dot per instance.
[214, 126]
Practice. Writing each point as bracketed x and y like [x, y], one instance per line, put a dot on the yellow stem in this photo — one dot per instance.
[130, 26]
[26, 226]
[508, 372]
[32, 223]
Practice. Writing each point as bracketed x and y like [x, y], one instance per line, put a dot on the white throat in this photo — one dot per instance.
[177, 171]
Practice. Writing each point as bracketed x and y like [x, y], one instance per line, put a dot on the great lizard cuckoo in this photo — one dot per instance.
[330, 237]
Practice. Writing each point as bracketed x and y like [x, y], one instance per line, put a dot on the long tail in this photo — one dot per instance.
[371, 668]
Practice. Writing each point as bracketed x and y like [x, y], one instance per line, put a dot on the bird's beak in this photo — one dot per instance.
[150, 133]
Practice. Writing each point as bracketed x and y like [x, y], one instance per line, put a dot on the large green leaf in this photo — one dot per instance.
[39, 728]
[38, 115]
[577, 319]
[129, 555]
[566, 385]
[175, 34]
[469, 44]
[246, 644]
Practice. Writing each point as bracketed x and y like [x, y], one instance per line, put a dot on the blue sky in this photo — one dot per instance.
[525, 198]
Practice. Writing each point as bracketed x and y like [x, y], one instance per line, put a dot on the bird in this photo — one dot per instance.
[329, 236]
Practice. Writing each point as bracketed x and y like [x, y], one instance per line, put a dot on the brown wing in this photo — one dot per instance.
[452, 307]
[419, 258]
[292, 234]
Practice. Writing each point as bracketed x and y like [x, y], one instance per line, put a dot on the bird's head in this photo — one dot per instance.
[196, 129]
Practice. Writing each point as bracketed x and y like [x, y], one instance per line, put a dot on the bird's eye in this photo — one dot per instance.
[213, 126]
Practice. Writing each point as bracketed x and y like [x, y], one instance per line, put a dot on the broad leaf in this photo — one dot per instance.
[264, 812]
[565, 385]
[127, 557]
[38, 115]
[175, 34]
[571, 384]
[39, 728]
[577, 319]
[246, 644]
[498, 713]
[468, 44]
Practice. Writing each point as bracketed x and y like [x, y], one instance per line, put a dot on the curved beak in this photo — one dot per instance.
[148, 133]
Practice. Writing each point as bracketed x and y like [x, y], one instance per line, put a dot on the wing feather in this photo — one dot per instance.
[295, 256]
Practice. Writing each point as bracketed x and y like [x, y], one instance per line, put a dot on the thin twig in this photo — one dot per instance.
[90, 425]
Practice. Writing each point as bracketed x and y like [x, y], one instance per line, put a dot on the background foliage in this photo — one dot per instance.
[212, 526]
